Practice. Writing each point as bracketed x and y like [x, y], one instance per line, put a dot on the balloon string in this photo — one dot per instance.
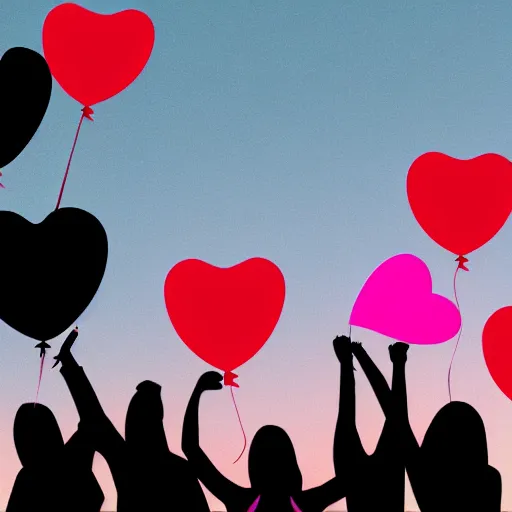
[241, 426]
[70, 158]
[350, 338]
[40, 375]
[460, 332]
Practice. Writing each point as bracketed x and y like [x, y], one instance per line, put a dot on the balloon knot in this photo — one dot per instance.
[462, 260]
[229, 379]
[88, 111]
[42, 346]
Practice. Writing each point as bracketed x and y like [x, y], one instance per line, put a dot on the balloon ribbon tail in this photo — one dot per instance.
[86, 112]
[461, 261]
[43, 355]
[239, 421]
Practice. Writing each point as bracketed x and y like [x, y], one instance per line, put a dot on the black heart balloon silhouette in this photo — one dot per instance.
[25, 90]
[50, 271]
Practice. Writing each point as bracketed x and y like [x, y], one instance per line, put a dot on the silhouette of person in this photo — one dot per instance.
[376, 481]
[276, 480]
[146, 474]
[450, 470]
[55, 477]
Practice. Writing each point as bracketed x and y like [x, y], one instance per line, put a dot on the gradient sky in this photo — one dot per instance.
[282, 129]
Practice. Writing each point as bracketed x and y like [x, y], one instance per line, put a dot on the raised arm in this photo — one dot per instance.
[86, 402]
[220, 486]
[348, 449]
[399, 412]
[95, 428]
[377, 381]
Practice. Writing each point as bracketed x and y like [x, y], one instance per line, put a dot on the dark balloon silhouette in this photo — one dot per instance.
[147, 475]
[50, 271]
[275, 476]
[25, 90]
[55, 477]
[376, 481]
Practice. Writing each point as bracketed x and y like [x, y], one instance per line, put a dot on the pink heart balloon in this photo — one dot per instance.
[397, 301]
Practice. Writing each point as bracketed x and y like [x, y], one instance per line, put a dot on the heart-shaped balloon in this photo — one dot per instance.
[95, 56]
[497, 348]
[397, 301]
[224, 315]
[25, 90]
[461, 204]
[50, 271]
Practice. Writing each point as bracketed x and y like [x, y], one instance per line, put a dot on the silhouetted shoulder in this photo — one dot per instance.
[494, 489]
[20, 499]
[187, 493]
[317, 499]
[493, 475]
[181, 467]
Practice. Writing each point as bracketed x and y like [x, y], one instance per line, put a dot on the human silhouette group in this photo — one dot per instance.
[448, 472]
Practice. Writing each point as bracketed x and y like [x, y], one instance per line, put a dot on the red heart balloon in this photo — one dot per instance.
[461, 204]
[95, 56]
[224, 315]
[497, 347]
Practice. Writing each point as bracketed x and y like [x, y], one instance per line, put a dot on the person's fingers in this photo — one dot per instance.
[72, 335]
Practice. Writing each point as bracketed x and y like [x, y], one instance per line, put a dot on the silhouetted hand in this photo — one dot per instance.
[65, 350]
[398, 352]
[342, 348]
[209, 381]
[357, 348]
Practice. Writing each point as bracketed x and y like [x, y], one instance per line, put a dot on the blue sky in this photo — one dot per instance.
[280, 129]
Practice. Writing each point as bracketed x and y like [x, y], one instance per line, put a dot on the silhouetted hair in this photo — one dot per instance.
[456, 437]
[144, 430]
[273, 462]
[37, 435]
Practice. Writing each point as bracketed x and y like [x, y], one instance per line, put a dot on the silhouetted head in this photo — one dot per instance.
[144, 430]
[272, 462]
[456, 438]
[37, 435]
